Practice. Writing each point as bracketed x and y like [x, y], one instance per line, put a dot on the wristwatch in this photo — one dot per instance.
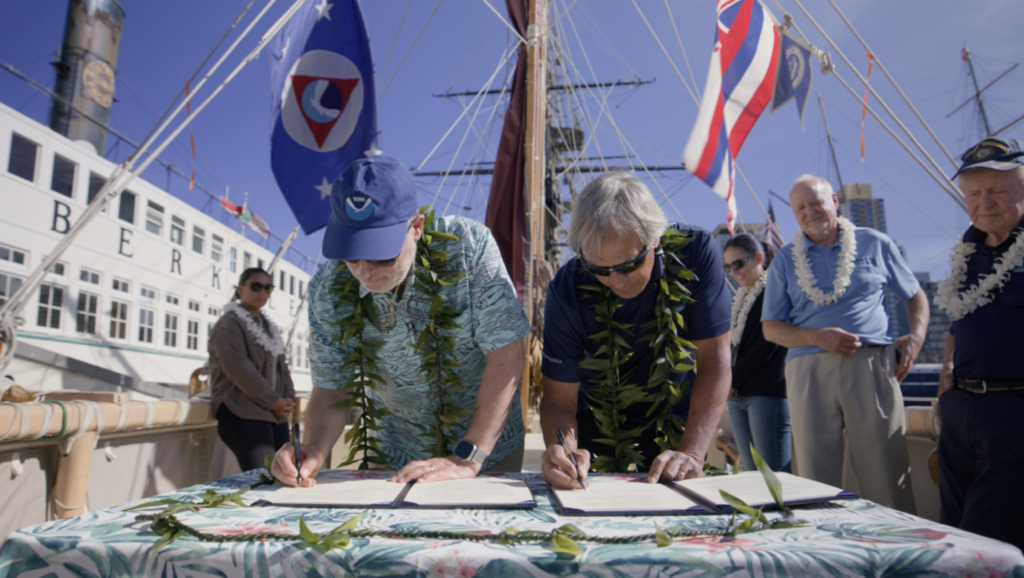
[468, 452]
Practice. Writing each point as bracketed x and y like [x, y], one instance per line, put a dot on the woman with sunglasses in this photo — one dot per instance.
[758, 409]
[252, 390]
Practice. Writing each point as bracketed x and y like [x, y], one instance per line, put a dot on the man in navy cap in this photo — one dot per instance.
[374, 229]
[981, 388]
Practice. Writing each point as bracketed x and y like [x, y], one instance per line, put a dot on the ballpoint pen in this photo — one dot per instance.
[298, 454]
[576, 467]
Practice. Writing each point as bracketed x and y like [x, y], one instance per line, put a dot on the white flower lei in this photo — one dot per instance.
[741, 304]
[272, 343]
[948, 296]
[805, 277]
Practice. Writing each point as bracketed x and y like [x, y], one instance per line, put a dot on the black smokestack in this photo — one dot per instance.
[85, 70]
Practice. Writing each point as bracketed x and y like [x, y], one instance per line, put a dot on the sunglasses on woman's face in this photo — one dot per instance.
[624, 268]
[738, 263]
[257, 287]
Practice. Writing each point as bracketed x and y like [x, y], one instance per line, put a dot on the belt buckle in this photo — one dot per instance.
[984, 386]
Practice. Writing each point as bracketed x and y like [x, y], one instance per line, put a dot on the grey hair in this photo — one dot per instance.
[615, 202]
[816, 184]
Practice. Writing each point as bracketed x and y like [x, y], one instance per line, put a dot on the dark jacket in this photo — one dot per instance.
[242, 371]
[760, 364]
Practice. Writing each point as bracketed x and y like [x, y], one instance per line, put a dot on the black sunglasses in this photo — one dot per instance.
[738, 263]
[624, 268]
[257, 287]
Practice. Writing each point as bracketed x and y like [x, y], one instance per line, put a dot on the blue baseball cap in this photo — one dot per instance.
[371, 204]
[992, 153]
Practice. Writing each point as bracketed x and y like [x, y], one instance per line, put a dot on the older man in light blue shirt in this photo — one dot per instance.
[825, 301]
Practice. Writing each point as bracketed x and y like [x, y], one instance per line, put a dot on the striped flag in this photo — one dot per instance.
[772, 233]
[255, 223]
[739, 86]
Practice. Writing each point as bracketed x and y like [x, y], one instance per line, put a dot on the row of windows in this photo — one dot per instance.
[22, 163]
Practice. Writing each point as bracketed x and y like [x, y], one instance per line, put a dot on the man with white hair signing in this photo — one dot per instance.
[624, 323]
[824, 300]
[981, 388]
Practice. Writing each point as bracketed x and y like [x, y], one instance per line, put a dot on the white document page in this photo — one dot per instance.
[469, 493]
[752, 489]
[624, 497]
[339, 493]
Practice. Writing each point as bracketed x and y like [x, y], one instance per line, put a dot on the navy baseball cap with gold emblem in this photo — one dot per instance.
[993, 153]
[371, 204]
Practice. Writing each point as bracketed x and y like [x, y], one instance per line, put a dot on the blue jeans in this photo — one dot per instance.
[765, 422]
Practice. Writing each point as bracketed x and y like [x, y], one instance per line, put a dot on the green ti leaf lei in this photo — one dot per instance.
[615, 391]
[435, 346]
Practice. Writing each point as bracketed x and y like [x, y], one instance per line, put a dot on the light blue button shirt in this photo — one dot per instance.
[861, 310]
[490, 317]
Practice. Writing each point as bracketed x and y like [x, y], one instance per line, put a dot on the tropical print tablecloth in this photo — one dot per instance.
[841, 538]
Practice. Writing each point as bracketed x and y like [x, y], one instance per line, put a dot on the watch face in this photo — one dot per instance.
[464, 450]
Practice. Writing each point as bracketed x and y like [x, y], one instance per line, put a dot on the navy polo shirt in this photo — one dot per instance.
[569, 320]
[989, 341]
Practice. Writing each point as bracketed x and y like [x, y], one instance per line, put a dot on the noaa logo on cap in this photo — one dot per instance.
[359, 207]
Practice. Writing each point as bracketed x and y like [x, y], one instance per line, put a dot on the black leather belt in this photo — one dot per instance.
[986, 386]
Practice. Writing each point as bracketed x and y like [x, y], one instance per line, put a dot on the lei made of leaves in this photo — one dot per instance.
[614, 391]
[435, 346]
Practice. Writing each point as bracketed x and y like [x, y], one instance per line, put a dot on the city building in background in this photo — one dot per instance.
[938, 324]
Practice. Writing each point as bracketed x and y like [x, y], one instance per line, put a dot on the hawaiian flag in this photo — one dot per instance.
[323, 104]
[739, 86]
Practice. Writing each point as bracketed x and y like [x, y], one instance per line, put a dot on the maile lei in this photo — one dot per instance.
[948, 296]
[614, 391]
[435, 347]
[804, 275]
[272, 343]
[741, 304]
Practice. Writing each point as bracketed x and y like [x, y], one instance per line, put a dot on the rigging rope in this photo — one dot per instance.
[670, 61]
[469, 127]
[679, 39]
[394, 42]
[380, 95]
[946, 186]
[466, 109]
[481, 143]
[505, 22]
[893, 81]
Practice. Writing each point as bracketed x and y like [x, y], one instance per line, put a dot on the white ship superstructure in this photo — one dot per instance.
[139, 291]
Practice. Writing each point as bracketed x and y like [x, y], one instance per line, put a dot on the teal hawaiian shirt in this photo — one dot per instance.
[490, 317]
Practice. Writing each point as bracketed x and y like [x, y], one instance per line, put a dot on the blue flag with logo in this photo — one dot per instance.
[794, 74]
[323, 104]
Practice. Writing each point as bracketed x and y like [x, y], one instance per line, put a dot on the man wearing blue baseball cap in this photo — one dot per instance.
[373, 238]
[981, 387]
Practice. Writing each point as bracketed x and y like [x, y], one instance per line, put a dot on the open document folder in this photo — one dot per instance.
[752, 489]
[632, 495]
[481, 492]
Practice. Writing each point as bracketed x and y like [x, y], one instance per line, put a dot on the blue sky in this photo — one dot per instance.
[919, 41]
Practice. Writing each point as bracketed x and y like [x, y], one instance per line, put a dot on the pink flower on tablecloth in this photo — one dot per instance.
[715, 544]
[454, 565]
[250, 529]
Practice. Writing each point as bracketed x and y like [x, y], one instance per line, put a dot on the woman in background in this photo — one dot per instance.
[758, 408]
[251, 387]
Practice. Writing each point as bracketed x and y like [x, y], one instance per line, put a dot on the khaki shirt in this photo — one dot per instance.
[242, 372]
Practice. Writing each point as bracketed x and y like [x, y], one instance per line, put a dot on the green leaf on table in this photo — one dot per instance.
[268, 461]
[663, 539]
[349, 524]
[153, 504]
[165, 540]
[742, 506]
[571, 529]
[743, 527]
[335, 541]
[774, 486]
[304, 531]
[565, 545]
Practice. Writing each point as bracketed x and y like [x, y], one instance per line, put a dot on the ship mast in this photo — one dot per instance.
[977, 92]
[832, 148]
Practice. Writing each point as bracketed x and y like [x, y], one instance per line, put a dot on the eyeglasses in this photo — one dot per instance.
[738, 263]
[257, 287]
[624, 268]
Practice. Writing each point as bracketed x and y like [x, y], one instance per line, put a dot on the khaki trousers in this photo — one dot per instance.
[829, 393]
